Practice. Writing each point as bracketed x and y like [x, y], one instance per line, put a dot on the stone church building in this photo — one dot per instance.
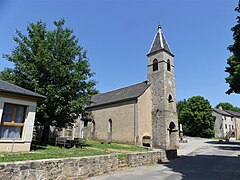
[140, 113]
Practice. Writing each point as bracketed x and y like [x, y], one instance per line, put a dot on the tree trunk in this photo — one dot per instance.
[45, 135]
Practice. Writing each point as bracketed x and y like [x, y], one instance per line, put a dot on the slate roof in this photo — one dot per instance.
[223, 112]
[127, 93]
[13, 89]
[159, 43]
[233, 113]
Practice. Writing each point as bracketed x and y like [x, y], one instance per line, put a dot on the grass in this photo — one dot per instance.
[48, 152]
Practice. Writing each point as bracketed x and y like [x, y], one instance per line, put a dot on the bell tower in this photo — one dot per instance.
[163, 90]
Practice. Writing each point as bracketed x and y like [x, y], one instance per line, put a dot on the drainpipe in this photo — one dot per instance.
[135, 109]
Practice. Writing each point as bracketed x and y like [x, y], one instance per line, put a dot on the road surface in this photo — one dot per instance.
[198, 159]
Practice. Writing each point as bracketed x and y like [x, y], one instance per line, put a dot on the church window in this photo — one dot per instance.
[170, 99]
[155, 65]
[172, 125]
[93, 127]
[85, 123]
[168, 65]
[109, 130]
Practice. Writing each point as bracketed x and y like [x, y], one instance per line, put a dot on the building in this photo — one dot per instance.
[143, 113]
[226, 121]
[17, 115]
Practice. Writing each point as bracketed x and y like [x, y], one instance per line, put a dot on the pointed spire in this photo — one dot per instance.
[159, 43]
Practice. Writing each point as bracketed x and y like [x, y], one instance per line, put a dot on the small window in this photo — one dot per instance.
[170, 99]
[172, 125]
[225, 126]
[93, 127]
[110, 131]
[85, 123]
[229, 127]
[12, 122]
[168, 65]
[155, 65]
[232, 127]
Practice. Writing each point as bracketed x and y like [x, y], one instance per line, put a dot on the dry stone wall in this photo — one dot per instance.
[146, 158]
[68, 168]
[76, 168]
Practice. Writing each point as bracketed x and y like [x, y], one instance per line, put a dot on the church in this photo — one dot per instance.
[143, 113]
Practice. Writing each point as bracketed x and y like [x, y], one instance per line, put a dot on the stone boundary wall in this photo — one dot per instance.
[146, 158]
[76, 168]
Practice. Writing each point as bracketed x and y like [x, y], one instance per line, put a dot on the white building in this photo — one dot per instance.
[225, 121]
[17, 115]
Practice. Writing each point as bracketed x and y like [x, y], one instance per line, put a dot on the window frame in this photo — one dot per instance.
[168, 65]
[155, 65]
[14, 115]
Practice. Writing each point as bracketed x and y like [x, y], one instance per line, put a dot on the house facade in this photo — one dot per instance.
[17, 115]
[140, 113]
[226, 121]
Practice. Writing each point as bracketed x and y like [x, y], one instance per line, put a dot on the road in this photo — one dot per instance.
[198, 159]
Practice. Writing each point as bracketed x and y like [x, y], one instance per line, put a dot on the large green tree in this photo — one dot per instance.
[52, 63]
[195, 114]
[234, 61]
[228, 106]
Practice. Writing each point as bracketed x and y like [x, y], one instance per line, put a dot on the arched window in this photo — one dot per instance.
[168, 65]
[109, 130]
[93, 127]
[155, 65]
[170, 99]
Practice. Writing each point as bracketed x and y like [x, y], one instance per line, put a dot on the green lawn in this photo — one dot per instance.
[92, 148]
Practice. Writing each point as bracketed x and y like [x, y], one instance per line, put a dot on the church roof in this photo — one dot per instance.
[159, 43]
[124, 94]
[13, 89]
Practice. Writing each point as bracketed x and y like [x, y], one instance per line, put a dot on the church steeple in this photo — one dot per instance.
[163, 91]
[159, 43]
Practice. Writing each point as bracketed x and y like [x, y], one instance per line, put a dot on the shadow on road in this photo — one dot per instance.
[207, 167]
[223, 142]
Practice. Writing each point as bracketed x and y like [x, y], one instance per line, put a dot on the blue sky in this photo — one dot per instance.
[119, 33]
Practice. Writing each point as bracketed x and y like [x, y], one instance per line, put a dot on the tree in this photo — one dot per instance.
[228, 106]
[195, 115]
[180, 106]
[52, 63]
[234, 61]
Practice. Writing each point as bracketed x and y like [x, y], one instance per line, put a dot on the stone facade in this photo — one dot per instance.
[226, 121]
[237, 121]
[121, 116]
[138, 112]
[163, 90]
[75, 168]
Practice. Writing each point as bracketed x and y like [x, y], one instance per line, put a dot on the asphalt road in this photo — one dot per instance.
[198, 159]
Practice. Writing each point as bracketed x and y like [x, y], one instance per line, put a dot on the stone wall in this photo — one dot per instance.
[68, 168]
[76, 168]
[146, 158]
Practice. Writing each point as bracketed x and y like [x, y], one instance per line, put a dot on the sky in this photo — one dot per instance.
[118, 34]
